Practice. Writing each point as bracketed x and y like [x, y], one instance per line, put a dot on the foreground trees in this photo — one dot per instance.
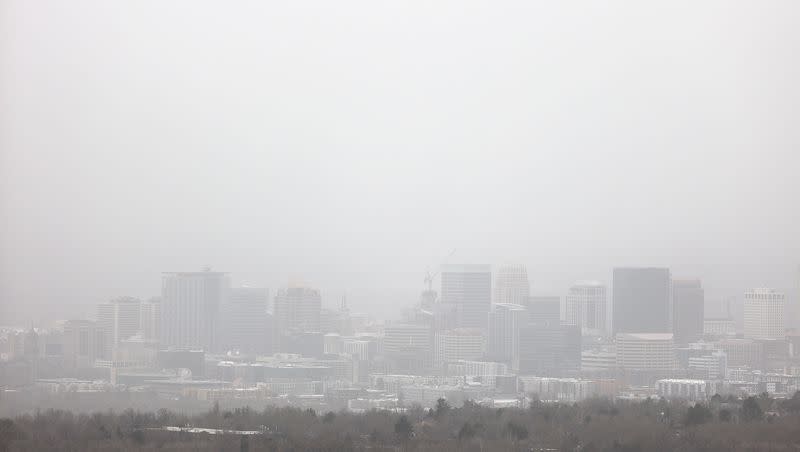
[593, 425]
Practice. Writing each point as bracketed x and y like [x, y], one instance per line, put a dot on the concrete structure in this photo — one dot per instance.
[119, 319]
[764, 311]
[692, 390]
[710, 366]
[585, 306]
[459, 344]
[719, 327]
[485, 369]
[511, 285]
[743, 352]
[646, 351]
[83, 343]
[360, 349]
[566, 389]
[688, 305]
[598, 361]
[408, 347]
[297, 309]
[642, 300]
[469, 289]
[190, 308]
[505, 321]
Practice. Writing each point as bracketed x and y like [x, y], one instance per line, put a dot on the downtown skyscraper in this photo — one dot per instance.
[642, 300]
[505, 321]
[191, 307]
[586, 306]
[468, 289]
[511, 285]
[246, 324]
[297, 309]
[764, 312]
[688, 310]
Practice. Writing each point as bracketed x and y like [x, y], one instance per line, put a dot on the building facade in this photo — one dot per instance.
[298, 309]
[511, 285]
[646, 351]
[468, 288]
[246, 323]
[642, 300]
[505, 321]
[119, 319]
[460, 344]
[764, 311]
[585, 306]
[190, 309]
[688, 304]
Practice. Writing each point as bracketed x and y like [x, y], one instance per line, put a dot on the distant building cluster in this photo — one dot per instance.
[483, 337]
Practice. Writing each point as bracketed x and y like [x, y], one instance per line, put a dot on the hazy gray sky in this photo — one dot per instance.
[356, 143]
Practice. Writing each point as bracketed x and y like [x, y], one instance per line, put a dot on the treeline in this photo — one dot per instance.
[722, 424]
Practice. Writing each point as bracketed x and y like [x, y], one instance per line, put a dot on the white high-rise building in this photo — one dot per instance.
[459, 344]
[646, 351]
[119, 319]
[764, 311]
[586, 306]
[511, 285]
[505, 320]
[191, 307]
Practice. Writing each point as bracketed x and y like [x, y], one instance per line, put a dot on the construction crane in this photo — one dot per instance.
[430, 276]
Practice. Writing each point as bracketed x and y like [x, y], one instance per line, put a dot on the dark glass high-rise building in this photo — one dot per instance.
[549, 350]
[544, 310]
[469, 289]
[642, 300]
[246, 324]
[687, 310]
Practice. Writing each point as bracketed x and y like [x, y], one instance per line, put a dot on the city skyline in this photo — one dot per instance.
[713, 306]
[359, 163]
[348, 225]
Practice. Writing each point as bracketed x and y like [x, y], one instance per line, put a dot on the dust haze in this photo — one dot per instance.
[355, 144]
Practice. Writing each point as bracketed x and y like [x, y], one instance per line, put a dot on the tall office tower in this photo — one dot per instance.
[297, 309]
[83, 343]
[458, 344]
[585, 306]
[544, 310]
[642, 300]
[549, 349]
[151, 319]
[511, 285]
[119, 319]
[246, 326]
[408, 348]
[688, 310]
[190, 309]
[469, 288]
[764, 311]
[505, 321]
